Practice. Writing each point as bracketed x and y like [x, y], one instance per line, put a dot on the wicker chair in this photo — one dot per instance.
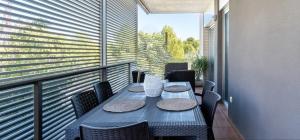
[169, 67]
[183, 76]
[103, 90]
[135, 76]
[84, 102]
[208, 108]
[208, 86]
[138, 131]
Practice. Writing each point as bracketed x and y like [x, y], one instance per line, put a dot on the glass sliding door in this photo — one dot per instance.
[225, 53]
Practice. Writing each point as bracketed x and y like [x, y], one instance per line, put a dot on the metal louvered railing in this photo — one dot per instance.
[40, 108]
[42, 37]
[121, 18]
[51, 50]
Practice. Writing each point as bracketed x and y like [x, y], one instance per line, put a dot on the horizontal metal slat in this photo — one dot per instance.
[24, 28]
[47, 42]
[62, 125]
[48, 119]
[48, 22]
[61, 71]
[79, 2]
[17, 133]
[47, 63]
[14, 97]
[27, 134]
[15, 128]
[56, 107]
[56, 48]
[48, 68]
[49, 122]
[48, 37]
[47, 52]
[67, 92]
[44, 10]
[61, 82]
[68, 86]
[65, 29]
[76, 10]
[63, 13]
[91, 3]
[119, 84]
[74, 5]
[18, 110]
[48, 104]
[46, 58]
[67, 82]
[44, 16]
[16, 103]
[16, 121]
[62, 117]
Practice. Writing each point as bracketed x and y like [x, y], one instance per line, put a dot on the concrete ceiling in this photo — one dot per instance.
[175, 6]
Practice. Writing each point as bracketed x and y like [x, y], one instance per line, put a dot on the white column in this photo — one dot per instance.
[201, 31]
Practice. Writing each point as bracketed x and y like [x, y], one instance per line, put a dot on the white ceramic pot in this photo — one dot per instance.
[153, 86]
[153, 92]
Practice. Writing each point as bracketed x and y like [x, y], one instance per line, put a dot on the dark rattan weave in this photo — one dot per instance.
[135, 76]
[161, 123]
[209, 105]
[138, 131]
[183, 76]
[103, 90]
[208, 86]
[169, 67]
[84, 102]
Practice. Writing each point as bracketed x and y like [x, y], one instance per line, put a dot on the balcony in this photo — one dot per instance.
[52, 50]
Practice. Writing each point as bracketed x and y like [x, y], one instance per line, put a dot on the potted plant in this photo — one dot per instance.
[200, 66]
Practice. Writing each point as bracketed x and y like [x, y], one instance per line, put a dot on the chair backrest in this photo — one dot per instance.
[138, 131]
[209, 105]
[84, 102]
[103, 90]
[135, 76]
[169, 67]
[183, 76]
[208, 85]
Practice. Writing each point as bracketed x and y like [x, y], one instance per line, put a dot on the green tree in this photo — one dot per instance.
[191, 45]
[157, 49]
[152, 54]
[173, 44]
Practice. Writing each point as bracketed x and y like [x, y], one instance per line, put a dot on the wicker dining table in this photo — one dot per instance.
[161, 123]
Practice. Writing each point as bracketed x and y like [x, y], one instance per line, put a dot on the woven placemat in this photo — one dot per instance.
[124, 105]
[176, 88]
[176, 104]
[136, 89]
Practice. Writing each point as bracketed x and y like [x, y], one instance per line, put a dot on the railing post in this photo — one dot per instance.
[37, 94]
[129, 72]
[104, 74]
[104, 35]
[103, 41]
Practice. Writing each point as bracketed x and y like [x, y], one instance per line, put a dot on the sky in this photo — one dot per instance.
[184, 25]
